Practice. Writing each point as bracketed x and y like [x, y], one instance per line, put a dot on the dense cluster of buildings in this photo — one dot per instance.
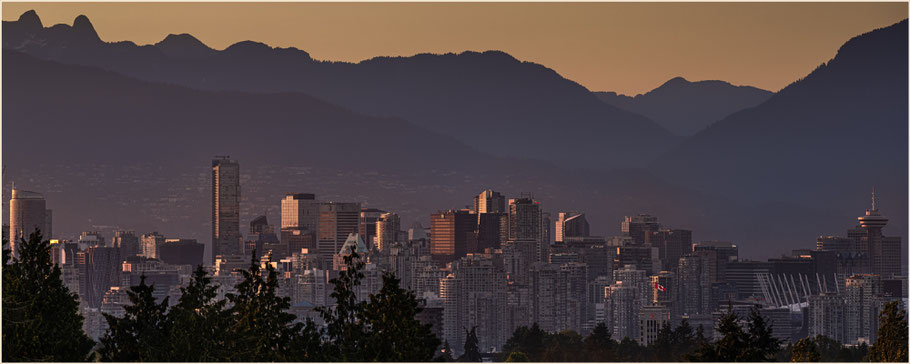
[496, 266]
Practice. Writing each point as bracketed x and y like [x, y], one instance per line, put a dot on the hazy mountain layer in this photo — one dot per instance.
[685, 107]
[490, 101]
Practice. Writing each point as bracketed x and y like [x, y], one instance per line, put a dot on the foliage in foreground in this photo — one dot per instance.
[41, 320]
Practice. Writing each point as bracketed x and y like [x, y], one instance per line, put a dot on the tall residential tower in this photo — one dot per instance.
[226, 239]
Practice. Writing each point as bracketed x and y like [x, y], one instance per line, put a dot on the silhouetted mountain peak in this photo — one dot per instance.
[678, 80]
[183, 46]
[83, 26]
[248, 46]
[30, 19]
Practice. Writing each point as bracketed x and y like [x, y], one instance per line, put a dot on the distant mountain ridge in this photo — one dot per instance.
[685, 107]
[826, 140]
[490, 101]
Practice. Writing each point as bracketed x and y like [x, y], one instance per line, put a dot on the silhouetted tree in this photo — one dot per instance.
[531, 341]
[891, 344]
[41, 320]
[703, 350]
[628, 350]
[683, 341]
[471, 350]
[761, 344]
[805, 350]
[732, 344]
[261, 329]
[566, 346]
[142, 333]
[199, 322]
[662, 347]
[344, 328]
[394, 333]
[599, 346]
[517, 357]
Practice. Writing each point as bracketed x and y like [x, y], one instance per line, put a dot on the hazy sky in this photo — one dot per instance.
[624, 47]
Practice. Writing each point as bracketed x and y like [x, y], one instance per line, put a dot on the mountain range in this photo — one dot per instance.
[685, 107]
[423, 133]
[489, 101]
[824, 140]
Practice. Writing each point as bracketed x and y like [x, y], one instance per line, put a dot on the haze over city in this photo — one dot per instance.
[612, 182]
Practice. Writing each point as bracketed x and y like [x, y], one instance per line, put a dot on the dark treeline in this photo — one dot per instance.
[41, 322]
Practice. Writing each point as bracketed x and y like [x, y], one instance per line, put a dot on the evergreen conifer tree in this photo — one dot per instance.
[891, 344]
[41, 320]
[142, 333]
[394, 333]
[471, 350]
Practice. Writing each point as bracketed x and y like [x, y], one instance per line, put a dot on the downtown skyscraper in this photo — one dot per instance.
[226, 237]
[27, 212]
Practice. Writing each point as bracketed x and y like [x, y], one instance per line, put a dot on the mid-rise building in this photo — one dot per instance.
[651, 319]
[181, 252]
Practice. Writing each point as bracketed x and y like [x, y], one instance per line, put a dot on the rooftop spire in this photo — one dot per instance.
[873, 198]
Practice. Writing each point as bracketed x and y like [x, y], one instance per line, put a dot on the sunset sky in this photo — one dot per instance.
[624, 47]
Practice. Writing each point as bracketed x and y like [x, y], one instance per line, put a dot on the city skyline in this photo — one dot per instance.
[239, 191]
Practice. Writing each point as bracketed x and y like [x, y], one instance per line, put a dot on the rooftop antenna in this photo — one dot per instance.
[873, 198]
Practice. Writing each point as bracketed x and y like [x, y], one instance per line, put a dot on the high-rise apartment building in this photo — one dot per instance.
[27, 212]
[636, 278]
[387, 227]
[637, 227]
[558, 296]
[526, 224]
[150, 243]
[489, 201]
[336, 221]
[299, 217]
[492, 230]
[128, 243]
[226, 238]
[671, 244]
[452, 234]
[368, 219]
[475, 296]
[571, 224]
[299, 210]
[101, 270]
[827, 316]
[696, 274]
[863, 300]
